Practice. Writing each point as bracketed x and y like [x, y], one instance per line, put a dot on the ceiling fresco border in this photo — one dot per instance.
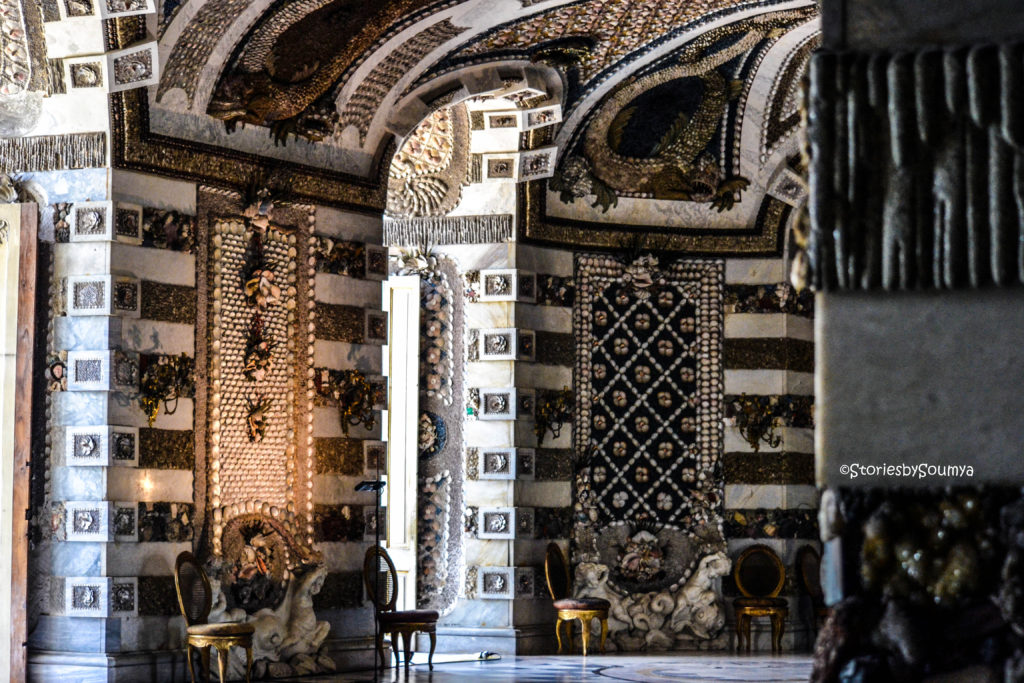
[765, 238]
[761, 233]
[134, 148]
[460, 57]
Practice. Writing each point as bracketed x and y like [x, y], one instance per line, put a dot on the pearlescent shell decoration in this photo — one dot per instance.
[248, 476]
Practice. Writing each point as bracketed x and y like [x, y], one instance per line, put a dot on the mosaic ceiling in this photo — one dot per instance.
[687, 108]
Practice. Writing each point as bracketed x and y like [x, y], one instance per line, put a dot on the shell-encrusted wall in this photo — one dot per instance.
[259, 362]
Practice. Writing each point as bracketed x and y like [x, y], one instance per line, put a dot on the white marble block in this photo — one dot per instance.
[507, 284]
[496, 463]
[110, 370]
[496, 583]
[537, 163]
[132, 67]
[90, 221]
[506, 343]
[101, 596]
[104, 295]
[101, 446]
[498, 403]
[496, 523]
[88, 521]
[539, 117]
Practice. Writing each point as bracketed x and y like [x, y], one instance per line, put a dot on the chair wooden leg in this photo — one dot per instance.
[778, 626]
[204, 659]
[380, 650]
[558, 634]
[585, 635]
[248, 663]
[222, 663]
[407, 642]
[433, 642]
[746, 629]
[189, 651]
[394, 648]
[604, 633]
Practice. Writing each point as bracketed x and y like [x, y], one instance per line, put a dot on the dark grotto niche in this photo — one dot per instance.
[255, 573]
[932, 585]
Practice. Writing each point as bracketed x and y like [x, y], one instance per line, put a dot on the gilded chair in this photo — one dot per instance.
[381, 579]
[569, 609]
[760, 575]
[195, 597]
[808, 565]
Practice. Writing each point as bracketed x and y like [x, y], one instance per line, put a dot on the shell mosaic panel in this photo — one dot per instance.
[124, 521]
[88, 370]
[500, 168]
[504, 121]
[89, 295]
[122, 597]
[166, 522]
[167, 229]
[85, 597]
[122, 446]
[649, 380]
[126, 295]
[127, 223]
[134, 67]
[265, 469]
[87, 75]
[86, 446]
[79, 8]
[91, 220]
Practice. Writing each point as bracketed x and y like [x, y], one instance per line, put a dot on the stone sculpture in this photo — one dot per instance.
[288, 639]
[690, 615]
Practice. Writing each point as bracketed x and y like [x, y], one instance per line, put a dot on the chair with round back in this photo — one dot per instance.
[808, 564]
[760, 575]
[381, 579]
[195, 597]
[569, 609]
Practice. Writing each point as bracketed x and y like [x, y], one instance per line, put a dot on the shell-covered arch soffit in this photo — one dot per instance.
[310, 93]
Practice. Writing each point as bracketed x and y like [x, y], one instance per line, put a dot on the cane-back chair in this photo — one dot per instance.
[381, 579]
[195, 597]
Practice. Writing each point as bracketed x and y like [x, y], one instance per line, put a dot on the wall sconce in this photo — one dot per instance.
[755, 422]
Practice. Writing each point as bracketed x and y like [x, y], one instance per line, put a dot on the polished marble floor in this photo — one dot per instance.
[649, 668]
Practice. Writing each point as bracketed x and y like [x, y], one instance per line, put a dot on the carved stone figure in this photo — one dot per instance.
[660, 620]
[288, 636]
[698, 607]
[305, 634]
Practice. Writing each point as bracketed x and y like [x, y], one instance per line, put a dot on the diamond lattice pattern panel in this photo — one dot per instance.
[651, 384]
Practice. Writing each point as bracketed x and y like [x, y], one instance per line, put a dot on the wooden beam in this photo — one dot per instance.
[24, 371]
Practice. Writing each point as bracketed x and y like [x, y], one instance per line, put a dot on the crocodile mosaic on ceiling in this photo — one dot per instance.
[665, 149]
[314, 88]
[668, 132]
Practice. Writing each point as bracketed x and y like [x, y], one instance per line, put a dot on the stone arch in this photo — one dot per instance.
[495, 79]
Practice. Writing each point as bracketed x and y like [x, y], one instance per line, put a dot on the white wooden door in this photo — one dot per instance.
[401, 363]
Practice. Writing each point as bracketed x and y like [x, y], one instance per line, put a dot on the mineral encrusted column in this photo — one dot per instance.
[915, 132]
